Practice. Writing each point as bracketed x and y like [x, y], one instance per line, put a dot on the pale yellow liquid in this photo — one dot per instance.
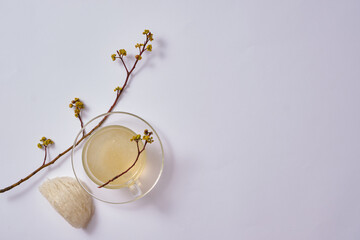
[109, 152]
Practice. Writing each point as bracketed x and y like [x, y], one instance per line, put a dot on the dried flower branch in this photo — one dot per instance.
[45, 143]
[120, 54]
[137, 138]
[78, 106]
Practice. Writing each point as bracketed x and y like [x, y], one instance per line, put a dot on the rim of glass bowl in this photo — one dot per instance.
[104, 115]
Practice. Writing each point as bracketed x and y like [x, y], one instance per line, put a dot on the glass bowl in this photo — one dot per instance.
[138, 184]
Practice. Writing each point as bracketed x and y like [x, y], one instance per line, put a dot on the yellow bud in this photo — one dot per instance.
[79, 104]
[122, 52]
[70, 105]
[138, 57]
[146, 31]
[151, 37]
[113, 57]
[39, 145]
[149, 47]
[118, 89]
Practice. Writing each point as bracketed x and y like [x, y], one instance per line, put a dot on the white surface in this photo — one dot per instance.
[257, 103]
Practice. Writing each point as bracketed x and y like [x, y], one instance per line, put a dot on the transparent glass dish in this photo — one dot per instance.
[137, 187]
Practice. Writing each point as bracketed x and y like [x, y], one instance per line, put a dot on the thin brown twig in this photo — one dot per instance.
[45, 147]
[117, 176]
[82, 124]
[84, 136]
[122, 60]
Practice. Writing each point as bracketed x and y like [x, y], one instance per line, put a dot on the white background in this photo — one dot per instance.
[257, 103]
